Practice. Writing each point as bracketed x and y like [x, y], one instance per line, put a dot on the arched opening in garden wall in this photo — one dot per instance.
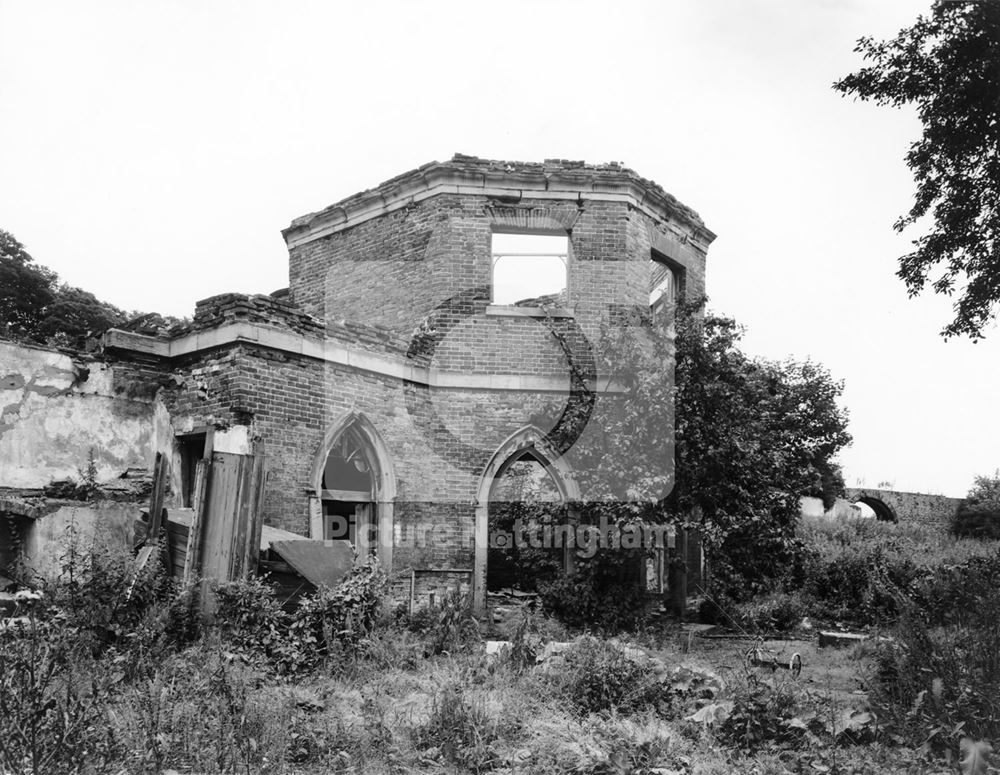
[874, 508]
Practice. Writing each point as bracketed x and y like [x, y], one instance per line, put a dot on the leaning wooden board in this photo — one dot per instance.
[232, 519]
[178, 527]
[319, 562]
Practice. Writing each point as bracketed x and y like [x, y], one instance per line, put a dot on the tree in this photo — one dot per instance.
[74, 314]
[979, 515]
[34, 306]
[751, 438]
[986, 491]
[25, 289]
[948, 66]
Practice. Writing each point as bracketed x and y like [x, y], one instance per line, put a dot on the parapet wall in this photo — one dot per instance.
[264, 310]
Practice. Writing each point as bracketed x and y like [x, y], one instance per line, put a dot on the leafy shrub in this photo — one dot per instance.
[338, 617]
[322, 627]
[449, 625]
[101, 592]
[985, 490]
[779, 612]
[53, 701]
[460, 729]
[778, 714]
[761, 714]
[865, 571]
[977, 520]
[521, 566]
[854, 587]
[253, 624]
[597, 676]
[596, 595]
[939, 677]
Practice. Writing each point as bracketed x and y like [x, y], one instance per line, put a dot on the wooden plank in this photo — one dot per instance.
[192, 559]
[219, 516]
[839, 640]
[241, 519]
[160, 475]
[227, 523]
[165, 553]
[319, 562]
[258, 482]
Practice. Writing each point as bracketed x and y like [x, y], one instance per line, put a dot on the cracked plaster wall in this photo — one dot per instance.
[55, 410]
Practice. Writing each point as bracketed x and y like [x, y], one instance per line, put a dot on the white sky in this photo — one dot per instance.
[517, 276]
[151, 152]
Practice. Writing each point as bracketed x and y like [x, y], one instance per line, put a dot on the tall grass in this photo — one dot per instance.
[923, 545]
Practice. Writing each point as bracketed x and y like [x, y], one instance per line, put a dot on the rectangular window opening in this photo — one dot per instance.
[666, 283]
[530, 270]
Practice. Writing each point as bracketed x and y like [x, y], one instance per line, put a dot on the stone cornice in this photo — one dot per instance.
[334, 353]
[509, 181]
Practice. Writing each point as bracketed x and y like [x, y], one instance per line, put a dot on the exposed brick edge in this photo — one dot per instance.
[468, 175]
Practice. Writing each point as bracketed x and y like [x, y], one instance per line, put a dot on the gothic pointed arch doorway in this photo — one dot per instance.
[528, 482]
[354, 488]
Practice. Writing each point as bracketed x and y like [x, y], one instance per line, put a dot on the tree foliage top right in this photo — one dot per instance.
[947, 65]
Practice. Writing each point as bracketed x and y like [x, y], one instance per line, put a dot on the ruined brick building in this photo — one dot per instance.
[392, 380]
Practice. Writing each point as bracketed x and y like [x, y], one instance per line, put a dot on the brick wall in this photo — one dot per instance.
[379, 273]
[413, 285]
[289, 401]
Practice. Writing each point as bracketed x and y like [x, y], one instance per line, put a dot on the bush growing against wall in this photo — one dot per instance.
[600, 593]
[322, 628]
[109, 600]
[523, 567]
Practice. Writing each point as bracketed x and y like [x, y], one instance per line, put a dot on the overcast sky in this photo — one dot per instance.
[151, 153]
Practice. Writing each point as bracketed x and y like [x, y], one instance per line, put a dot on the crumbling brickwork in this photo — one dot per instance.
[389, 319]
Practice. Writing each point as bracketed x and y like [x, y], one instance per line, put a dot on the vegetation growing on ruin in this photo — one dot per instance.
[107, 671]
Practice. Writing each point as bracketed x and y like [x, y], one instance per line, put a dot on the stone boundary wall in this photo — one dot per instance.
[934, 511]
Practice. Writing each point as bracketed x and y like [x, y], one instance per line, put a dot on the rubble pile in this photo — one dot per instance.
[509, 604]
